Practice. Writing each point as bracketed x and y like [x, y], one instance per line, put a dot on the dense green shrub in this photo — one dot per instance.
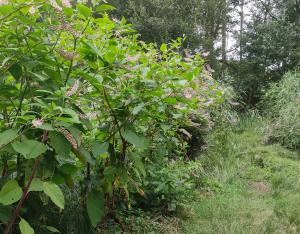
[90, 115]
[282, 105]
[170, 184]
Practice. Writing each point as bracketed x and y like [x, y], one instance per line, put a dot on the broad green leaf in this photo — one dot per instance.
[8, 136]
[30, 148]
[52, 229]
[150, 84]
[8, 91]
[40, 76]
[46, 126]
[36, 185]
[68, 169]
[68, 11]
[84, 10]
[95, 206]
[138, 163]
[54, 74]
[170, 100]
[58, 178]
[110, 57]
[25, 227]
[66, 120]
[16, 71]
[137, 109]
[105, 7]
[5, 9]
[69, 181]
[61, 145]
[110, 173]
[164, 48]
[99, 148]
[76, 133]
[189, 76]
[94, 80]
[55, 194]
[138, 141]
[83, 155]
[72, 113]
[10, 193]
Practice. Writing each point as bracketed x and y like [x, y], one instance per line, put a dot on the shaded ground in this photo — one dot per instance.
[257, 189]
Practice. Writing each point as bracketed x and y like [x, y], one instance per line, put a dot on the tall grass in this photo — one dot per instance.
[257, 192]
[282, 105]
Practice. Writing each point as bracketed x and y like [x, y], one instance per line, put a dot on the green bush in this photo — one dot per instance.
[282, 105]
[87, 110]
[170, 184]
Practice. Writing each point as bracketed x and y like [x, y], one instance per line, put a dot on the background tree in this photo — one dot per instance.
[269, 46]
[203, 22]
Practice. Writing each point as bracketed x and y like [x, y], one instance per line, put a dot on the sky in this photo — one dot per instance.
[231, 41]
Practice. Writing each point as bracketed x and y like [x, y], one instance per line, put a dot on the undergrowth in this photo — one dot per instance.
[257, 192]
[281, 104]
[245, 186]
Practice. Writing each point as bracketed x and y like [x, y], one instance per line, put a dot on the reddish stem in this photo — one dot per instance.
[23, 198]
[25, 191]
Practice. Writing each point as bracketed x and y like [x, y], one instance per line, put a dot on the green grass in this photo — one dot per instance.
[246, 187]
[255, 188]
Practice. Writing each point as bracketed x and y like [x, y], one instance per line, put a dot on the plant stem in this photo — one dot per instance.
[74, 49]
[26, 190]
[124, 142]
[112, 113]
[23, 198]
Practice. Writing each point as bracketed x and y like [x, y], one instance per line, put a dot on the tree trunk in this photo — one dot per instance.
[241, 29]
[267, 6]
[224, 38]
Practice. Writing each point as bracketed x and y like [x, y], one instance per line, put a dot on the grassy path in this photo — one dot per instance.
[257, 189]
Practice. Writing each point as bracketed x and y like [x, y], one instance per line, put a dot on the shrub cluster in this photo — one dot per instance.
[91, 114]
[282, 106]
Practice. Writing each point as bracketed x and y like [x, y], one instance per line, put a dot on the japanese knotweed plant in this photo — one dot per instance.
[83, 100]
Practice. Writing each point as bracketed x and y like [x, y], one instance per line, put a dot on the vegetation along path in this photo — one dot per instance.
[255, 190]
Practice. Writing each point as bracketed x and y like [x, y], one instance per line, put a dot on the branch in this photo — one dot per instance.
[15, 11]
[113, 114]
[268, 11]
[74, 49]
[23, 198]
[26, 190]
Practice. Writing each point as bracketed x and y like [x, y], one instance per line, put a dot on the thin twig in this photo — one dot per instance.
[74, 49]
[113, 113]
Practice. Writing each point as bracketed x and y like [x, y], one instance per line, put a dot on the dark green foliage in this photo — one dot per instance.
[270, 48]
[164, 20]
